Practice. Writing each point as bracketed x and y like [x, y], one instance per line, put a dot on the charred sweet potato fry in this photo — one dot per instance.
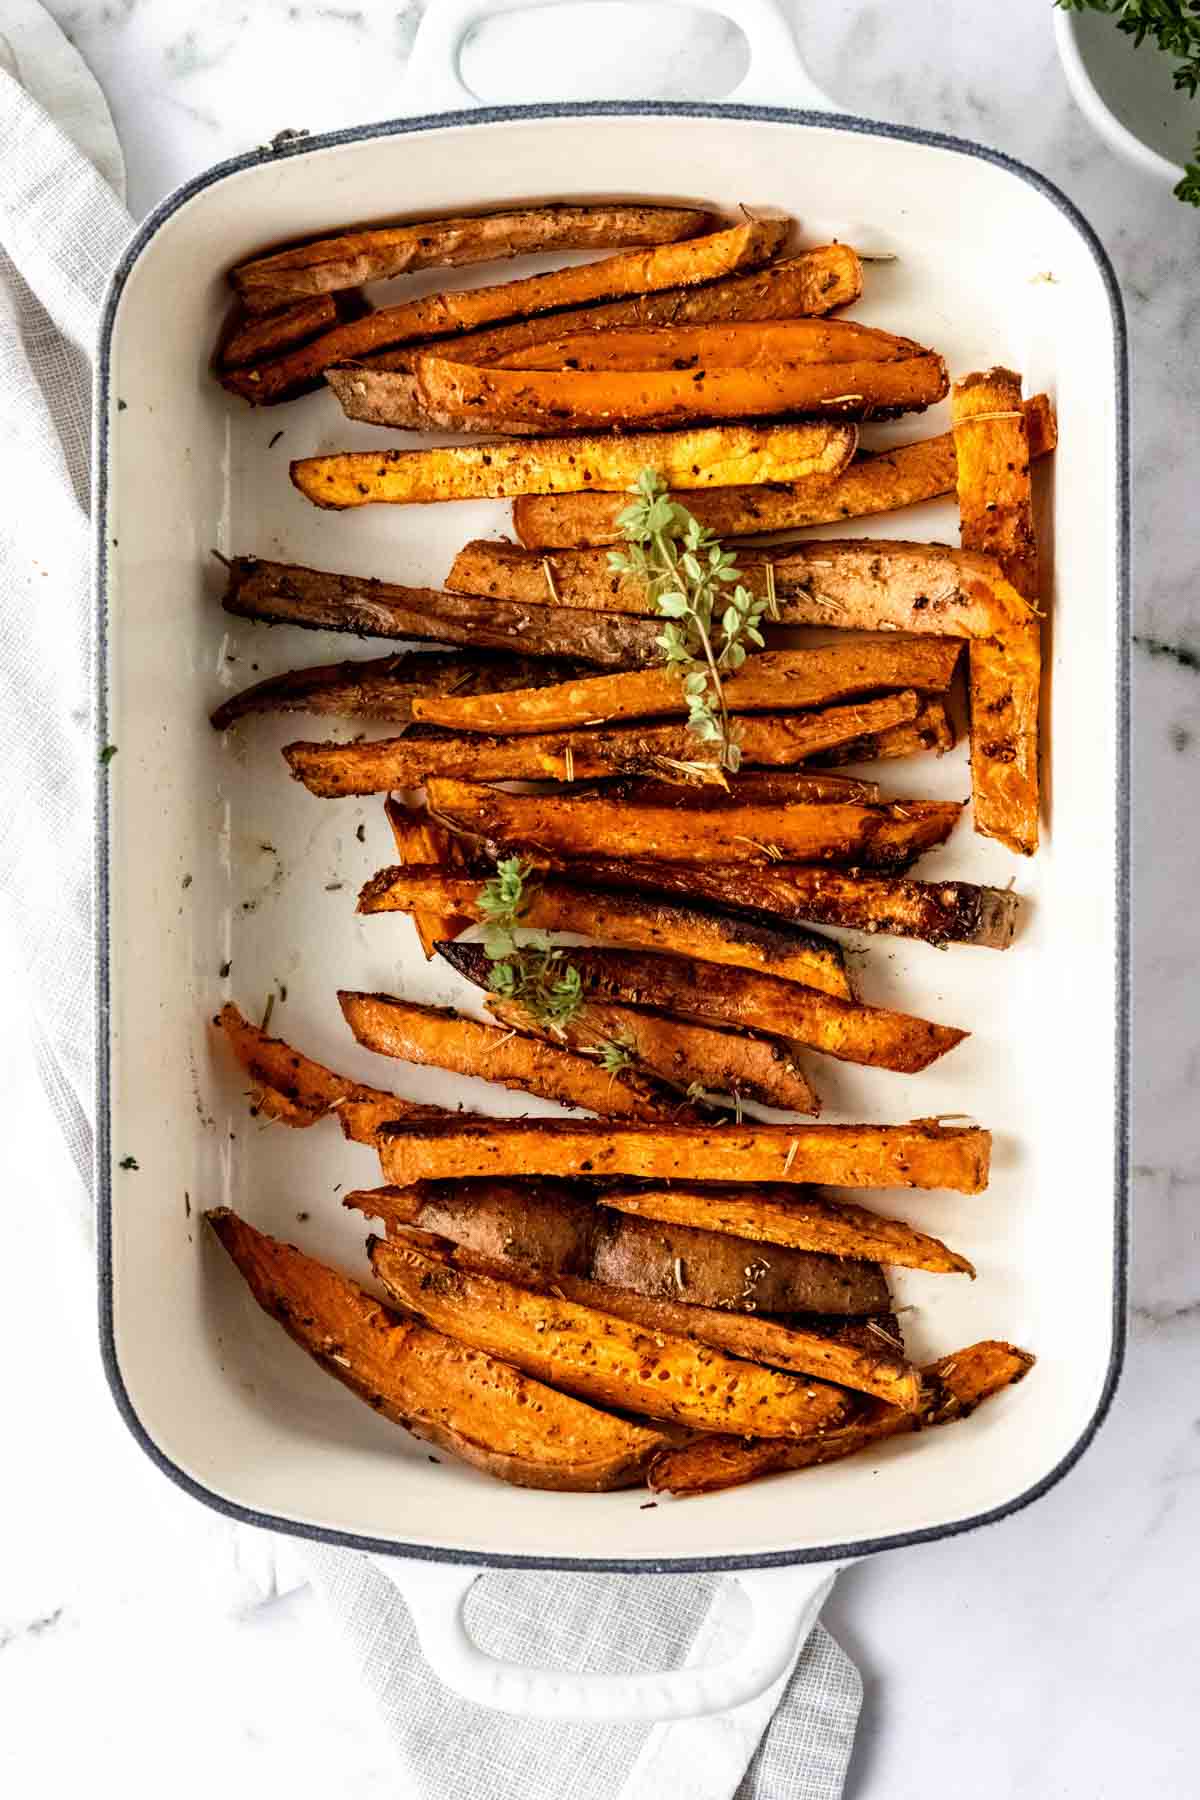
[332, 770]
[557, 1229]
[922, 1154]
[420, 842]
[447, 1040]
[253, 338]
[773, 680]
[940, 912]
[855, 584]
[446, 314]
[288, 594]
[840, 831]
[598, 1356]
[681, 1052]
[709, 456]
[492, 1416]
[297, 1091]
[351, 258]
[702, 932]
[875, 482]
[383, 687]
[995, 503]
[799, 1220]
[451, 392]
[950, 1389]
[738, 345]
[750, 787]
[930, 729]
[865, 1369]
[748, 1000]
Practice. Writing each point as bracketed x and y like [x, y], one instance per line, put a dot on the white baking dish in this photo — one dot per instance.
[993, 265]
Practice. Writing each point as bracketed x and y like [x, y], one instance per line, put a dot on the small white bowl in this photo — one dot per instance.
[1127, 93]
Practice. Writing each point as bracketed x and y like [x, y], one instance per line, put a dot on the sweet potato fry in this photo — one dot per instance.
[875, 482]
[421, 843]
[382, 389]
[772, 680]
[750, 787]
[383, 687]
[701, 932]
[331, 770]
[254, 338]
[940, 912]
[930, 729]
[841, 832]
[740, 344]
[484, 1411]
[872, 1370]
[856, 584]
[995, 503]
[600, 1357]
[687, 264]
[748, 1000]
[709, 456]
[351, 258]
[950, 1389]
[556, 1229]
[452, 392]
[297, 1091]
[681, 1052]
[288, 594]
[447, 1040]
[800, 1221]
[922, 1154]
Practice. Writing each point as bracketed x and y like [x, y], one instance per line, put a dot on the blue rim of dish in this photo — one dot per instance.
[620, 109]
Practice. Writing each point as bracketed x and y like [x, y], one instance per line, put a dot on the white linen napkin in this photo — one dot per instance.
[62, 227]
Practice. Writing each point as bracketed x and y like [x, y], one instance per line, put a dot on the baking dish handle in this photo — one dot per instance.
[778, 1609]
[776, 75]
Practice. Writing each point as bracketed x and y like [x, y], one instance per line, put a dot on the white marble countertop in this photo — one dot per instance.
[1055, 1654]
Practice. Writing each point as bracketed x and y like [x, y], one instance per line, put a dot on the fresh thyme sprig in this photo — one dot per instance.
[1174, 26]
[531, 972]
[697, 588]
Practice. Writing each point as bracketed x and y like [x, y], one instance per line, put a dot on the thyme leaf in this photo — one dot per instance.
[531, 970]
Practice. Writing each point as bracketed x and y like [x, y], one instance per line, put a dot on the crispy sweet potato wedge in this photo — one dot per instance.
[995, 503]
[940, 912]
[419, 841]
[750, 787]
[930, 729]
[868, 1370]
[682, 1052]
[858, 584]
[875, 482]
[447, 1040]
[288, 594]
[331, 770]
[558, 1230]
[483, 1411]
[382, 687]
[697, 931]
[598, 1356]
[349, 259]
[382, 388]
[773, 680]
[563, 400]
[922, 1154]
[697, 260]
[254, 338]
[840, 831]
[297, 1091]
[749, 1000]
[951, 1389]
[710, 456]
[739, 344]
[799, 1220]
